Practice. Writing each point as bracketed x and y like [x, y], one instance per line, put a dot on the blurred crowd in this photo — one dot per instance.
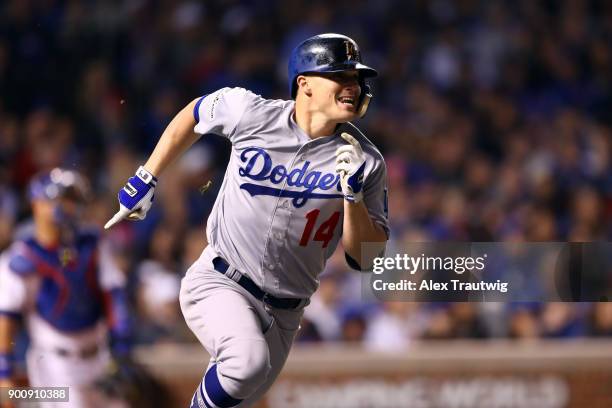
[493, 116]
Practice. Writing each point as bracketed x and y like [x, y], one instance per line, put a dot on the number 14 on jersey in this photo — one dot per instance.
[324, 233]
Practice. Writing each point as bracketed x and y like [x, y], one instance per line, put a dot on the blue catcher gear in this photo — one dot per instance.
[59, 183]
[330, 53]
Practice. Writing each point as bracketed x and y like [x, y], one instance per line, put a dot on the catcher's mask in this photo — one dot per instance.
[66, 189]
[330, 53]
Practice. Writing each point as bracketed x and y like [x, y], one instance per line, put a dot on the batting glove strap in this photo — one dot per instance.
[138, 190]
[6, 365]
[353, 198]
[350, 164]
[354, 185]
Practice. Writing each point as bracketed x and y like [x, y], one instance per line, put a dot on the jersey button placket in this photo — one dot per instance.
[304, 154]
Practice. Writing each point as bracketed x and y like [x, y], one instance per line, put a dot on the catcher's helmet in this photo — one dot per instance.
[59, 183]
[330, 53]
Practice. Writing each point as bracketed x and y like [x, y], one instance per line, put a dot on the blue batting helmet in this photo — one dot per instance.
[329, 53]
[59, 183]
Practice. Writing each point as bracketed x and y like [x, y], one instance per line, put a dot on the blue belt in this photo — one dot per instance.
[222, 266]
[84, 354]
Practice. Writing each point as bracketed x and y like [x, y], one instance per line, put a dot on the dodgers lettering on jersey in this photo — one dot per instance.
[259, 167]
[278, 215]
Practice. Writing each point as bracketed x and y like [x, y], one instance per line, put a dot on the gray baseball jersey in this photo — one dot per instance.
[278, 216]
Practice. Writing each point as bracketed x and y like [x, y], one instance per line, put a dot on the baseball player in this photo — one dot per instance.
[61, 280]
[301, 178]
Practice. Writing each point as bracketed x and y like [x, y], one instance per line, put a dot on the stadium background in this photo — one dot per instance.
[493, 117]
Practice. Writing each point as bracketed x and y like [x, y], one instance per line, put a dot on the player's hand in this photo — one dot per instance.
[135, 198]
[350, 164]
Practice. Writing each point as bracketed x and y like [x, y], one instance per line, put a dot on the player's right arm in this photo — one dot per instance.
[176, 139]
[7, 332]
[136, 197]
[217, 113]
[14, 270]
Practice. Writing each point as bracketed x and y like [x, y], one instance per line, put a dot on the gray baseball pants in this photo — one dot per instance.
[248, 341]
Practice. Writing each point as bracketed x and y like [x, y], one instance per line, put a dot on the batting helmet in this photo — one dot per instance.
[330, 53]
[59, 183]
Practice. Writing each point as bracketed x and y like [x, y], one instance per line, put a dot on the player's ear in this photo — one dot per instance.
[304, 84]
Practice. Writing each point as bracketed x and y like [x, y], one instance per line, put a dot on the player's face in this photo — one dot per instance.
[68, 209]
[43, 210]
[59, 212]
[336, 94]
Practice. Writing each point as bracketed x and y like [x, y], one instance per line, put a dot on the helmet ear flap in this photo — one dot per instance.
[364, 99]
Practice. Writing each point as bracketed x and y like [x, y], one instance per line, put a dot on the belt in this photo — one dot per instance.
[83, 354]
[222, 266]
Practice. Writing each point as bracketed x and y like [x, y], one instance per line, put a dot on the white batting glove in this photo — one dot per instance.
[135, 198]
[350, 164]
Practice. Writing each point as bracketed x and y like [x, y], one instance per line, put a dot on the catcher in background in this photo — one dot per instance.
[61, 279]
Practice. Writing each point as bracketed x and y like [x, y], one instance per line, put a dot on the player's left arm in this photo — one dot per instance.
[359, 228]
[116, 305]
[365, 214]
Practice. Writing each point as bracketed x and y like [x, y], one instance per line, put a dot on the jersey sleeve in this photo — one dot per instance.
[13, 288]
[220, 112]
[375, 195]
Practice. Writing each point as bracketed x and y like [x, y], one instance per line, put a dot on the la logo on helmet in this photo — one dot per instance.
[351, 52]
